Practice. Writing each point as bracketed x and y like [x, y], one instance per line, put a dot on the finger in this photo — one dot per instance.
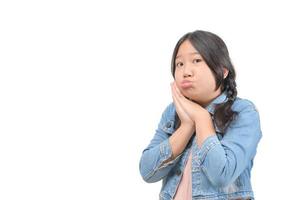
[175, 93]
[179, 110]
[184, 103]
[175, 101]
[182, 99]
[175, 97]
[180, 95]
[177, 90]
[178, 107]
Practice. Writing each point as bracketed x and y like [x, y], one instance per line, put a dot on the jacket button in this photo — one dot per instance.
[178, 172]
[168, 125]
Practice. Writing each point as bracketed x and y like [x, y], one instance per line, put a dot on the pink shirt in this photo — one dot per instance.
[184, 190]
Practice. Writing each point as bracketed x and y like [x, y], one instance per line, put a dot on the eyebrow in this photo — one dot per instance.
[189, 53]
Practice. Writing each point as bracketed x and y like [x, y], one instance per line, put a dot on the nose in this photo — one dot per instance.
[187, 72]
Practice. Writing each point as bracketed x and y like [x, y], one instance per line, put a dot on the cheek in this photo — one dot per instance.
[209, 77]
[211, 84]
[206, 82]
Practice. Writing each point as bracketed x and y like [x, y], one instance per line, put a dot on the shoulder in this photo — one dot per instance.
[247, 113]
[246, 122]
[243, 105]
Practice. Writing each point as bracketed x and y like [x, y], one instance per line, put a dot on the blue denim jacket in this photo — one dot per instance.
[221, 166]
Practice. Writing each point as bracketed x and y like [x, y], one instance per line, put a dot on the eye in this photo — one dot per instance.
[197, 60]
[179, 64]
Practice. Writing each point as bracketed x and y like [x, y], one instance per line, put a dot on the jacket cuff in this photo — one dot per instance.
[209, 143]
[166, 153]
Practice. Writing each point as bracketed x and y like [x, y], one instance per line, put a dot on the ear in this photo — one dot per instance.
[225, 72]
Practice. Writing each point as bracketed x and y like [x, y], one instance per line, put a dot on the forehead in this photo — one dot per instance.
[186, 49]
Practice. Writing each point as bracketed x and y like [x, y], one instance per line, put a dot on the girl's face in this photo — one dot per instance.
[190, 66]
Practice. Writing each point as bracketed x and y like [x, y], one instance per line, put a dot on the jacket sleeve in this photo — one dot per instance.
[224, 160]
[155, 162]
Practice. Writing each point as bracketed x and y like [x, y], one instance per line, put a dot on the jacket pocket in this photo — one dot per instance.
[202, 186]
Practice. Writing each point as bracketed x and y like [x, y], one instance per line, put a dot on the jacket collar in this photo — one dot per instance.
[219, 99]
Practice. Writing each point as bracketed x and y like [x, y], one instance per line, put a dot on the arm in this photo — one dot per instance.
[163, 152]
[180, 139]
[223, 161]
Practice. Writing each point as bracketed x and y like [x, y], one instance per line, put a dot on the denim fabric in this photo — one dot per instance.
[221, 166]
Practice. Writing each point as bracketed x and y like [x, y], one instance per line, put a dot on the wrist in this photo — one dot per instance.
[205, 130]
[188, 127]
[202, 115]
[204, 123]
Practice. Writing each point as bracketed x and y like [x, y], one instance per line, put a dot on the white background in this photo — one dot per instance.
[83, 85]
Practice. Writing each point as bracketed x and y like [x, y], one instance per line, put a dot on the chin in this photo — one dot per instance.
[192, 97]
[188, 96]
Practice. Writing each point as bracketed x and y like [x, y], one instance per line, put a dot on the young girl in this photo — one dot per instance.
[206, 140]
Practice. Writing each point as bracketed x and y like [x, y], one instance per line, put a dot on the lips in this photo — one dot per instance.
[186, 84]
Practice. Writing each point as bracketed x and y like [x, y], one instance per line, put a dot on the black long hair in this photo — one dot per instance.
[214, 52]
